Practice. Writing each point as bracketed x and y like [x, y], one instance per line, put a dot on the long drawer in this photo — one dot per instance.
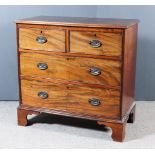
[98, 102]
[79, 69]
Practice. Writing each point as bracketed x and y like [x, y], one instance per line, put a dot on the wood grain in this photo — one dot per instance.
[80, 21]
[71, 68]
[71, 54]
[129, 68]
[55, 39]
[22, 116]
[69, 57]
[111, 43]
[70, 28]
[18, 63]
[71, 98]
[118, 130]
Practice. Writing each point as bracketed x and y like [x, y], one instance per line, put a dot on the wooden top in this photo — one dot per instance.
[80, 21]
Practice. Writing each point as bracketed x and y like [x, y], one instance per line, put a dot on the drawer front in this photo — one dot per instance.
[71, 98]
[77, 69]
[42, 39]
[97, 43]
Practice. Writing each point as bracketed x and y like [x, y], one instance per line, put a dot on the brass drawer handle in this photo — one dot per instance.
[95, 43]
[41, 39]
[95, 71]
[43, 94]
[42, 66]
[94, 101]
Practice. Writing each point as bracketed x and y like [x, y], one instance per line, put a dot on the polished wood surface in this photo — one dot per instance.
[61, 81]
[70, 28]
[71, 98]
[111, 43]
[80, 21]
[71, 54]
[129, 68]
[67, 79]
[118, 128]
[55, 39]
[72, 68]
[22, 116]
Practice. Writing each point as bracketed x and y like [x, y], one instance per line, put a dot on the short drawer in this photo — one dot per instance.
[97, 43]
[77, 69]
[42, 39]
[74, 99]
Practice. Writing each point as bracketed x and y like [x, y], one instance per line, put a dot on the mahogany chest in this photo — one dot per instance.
[78, 67]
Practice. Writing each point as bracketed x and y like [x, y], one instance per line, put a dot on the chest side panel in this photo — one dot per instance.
[129, 67]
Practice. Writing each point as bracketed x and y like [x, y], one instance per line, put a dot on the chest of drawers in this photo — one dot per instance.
[78, 67]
